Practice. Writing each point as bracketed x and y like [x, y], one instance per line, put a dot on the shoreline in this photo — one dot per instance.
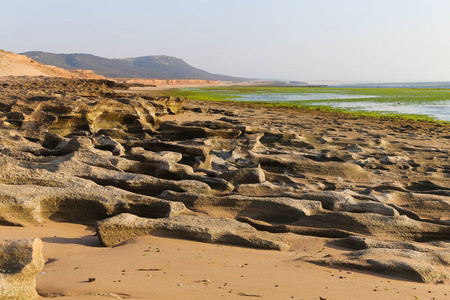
[410, 110]
[205, 271]
[312, 179]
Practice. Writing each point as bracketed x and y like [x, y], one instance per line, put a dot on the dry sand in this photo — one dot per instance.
[164, 268]
[18, 69]
[12, 64]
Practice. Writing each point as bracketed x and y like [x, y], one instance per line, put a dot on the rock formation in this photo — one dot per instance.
[133, 164]
[120, 228]
[20, 261]
[427, 262]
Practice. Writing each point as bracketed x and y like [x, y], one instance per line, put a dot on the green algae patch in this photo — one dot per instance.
[397, 103]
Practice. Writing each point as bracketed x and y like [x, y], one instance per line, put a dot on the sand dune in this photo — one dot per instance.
[12, 64]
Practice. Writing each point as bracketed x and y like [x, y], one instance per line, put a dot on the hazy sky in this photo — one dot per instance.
[358, 40]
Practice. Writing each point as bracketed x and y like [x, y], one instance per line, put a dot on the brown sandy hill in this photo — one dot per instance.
[21, 65]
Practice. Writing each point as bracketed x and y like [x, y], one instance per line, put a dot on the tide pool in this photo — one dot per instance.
[440, 110]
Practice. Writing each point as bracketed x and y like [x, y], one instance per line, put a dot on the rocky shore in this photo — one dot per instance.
[376, 192]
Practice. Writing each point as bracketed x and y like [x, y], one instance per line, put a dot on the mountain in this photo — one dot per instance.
[160, 66]
[21, 65]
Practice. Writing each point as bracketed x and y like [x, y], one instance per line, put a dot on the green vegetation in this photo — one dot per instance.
[383, 95]
[201, 94]
[416, 96]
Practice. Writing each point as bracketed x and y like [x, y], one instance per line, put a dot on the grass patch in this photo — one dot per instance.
[398, 96]
[355, 113]
[200, 94]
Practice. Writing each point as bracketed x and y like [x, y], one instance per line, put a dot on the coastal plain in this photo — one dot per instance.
[136, 196]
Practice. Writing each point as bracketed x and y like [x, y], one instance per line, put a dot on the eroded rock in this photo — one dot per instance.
[80, 151]
[419, 262]
[118, 229]
[276, 209]
[30, 204]
[20, 262]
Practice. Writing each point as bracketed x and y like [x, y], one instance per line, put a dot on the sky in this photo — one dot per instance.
[304, 40]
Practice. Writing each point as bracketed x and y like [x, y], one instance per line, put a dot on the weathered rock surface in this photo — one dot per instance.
[390, 227]
[20, 262]
[30, 204]
[293, 163]
[279, 209]
[120, 228]
[73, 106]
[80, 151]
[407, 264]
[419, 262]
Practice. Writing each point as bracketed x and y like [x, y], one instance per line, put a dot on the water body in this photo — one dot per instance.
[439, 110]
[407, 85]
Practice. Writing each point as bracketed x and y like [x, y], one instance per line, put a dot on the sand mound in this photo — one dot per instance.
[12, 64]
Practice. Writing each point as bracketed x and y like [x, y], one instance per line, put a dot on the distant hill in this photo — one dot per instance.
[12, 64]
[160, 66]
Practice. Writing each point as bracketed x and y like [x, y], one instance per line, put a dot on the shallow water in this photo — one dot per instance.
[282, 97]
[439, 110]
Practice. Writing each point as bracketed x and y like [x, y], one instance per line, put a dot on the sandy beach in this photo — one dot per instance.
[163, 265]
[237, 150]
[205, 271]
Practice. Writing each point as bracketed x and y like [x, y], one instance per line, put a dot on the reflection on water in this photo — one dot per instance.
[438, 109]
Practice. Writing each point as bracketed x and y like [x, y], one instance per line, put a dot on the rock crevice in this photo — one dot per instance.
[136, 164]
